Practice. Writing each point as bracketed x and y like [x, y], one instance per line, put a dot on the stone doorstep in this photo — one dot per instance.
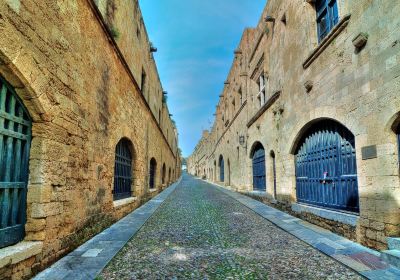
[341, 217]
[19, 252]
[123, 202]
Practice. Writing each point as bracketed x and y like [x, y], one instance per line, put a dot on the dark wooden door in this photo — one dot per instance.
[15, 139]
[326, 172]
[221, 170]
[259, 174]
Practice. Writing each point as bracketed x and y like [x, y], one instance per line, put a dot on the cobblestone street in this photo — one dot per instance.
[201, 233]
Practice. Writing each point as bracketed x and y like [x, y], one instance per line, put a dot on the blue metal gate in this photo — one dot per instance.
[221, 169]
[15, 140]
[326, 172]
[152, 175]
[123, 170]
[259, 178]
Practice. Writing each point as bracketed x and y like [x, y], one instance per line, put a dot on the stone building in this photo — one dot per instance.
[85, 131]
[309, 118]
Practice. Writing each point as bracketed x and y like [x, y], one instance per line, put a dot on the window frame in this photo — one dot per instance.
[330, 10]
[261, 89]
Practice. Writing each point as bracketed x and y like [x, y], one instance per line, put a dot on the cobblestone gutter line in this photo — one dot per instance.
[363, 260]
[88, 260]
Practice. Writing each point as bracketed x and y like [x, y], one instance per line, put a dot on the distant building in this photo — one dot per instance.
[309, 116]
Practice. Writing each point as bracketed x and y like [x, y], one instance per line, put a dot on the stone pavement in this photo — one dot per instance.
[88, 260]
[202, 233]
[197, 230]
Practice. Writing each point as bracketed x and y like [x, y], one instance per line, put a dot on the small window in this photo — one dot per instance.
[327, 17]
[241, 96]
[143, 83]
[261, 90]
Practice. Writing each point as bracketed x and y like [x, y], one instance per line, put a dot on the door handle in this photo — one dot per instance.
[326, 181]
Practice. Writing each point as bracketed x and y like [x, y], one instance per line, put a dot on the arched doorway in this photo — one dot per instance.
[215, 171]
[169, 175]
[326, 172]
[398, 141]
[163, 171]
[123, 170]
[152, 173]
[259, 174]
[15, 141]
[229, 173]
[221, 169]
[273, 171]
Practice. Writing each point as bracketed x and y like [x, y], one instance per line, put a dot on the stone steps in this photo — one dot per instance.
[392, 256]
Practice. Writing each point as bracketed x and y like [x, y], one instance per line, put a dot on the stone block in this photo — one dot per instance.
[42, 210]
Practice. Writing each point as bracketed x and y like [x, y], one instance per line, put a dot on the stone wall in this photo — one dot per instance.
[80, 84]
[358, 88]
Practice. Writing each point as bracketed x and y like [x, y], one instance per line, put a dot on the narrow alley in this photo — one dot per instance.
[202, 233]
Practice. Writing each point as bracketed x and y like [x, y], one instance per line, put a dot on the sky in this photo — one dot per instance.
[195, 41]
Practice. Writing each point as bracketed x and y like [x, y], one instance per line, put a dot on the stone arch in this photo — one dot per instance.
[254, 147]
[303, 130]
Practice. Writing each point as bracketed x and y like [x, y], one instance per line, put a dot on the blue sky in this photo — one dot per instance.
[195, 41]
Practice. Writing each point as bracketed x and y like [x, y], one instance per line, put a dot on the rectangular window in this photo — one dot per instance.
[143, 83]
[241, 96]
[261, 90]
[327, 17]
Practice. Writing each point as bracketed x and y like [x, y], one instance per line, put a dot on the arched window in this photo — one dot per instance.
[123, 170]
[15, 140]
[326, 172]
[152, 173]
[259, 173]
[221, 169]
[163, 171]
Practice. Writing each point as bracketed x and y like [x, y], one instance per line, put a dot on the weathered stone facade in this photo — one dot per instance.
[85, 72]
[308, 82]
